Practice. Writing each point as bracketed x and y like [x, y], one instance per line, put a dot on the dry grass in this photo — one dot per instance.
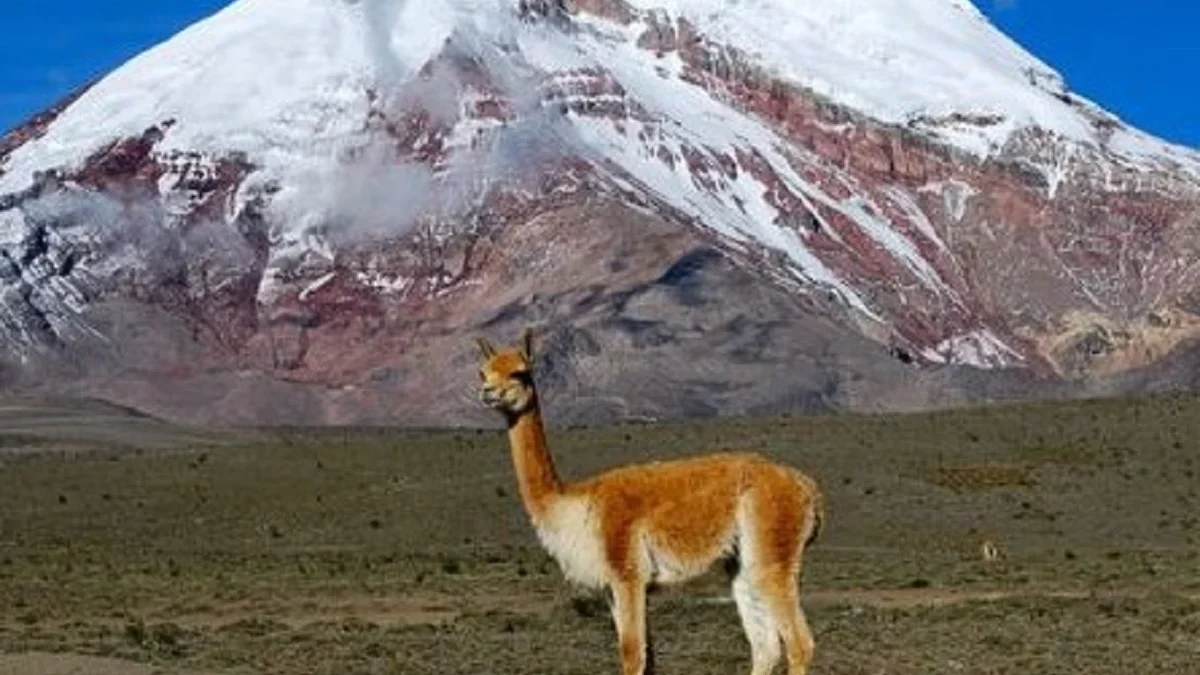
[983, 477]
[381, 551]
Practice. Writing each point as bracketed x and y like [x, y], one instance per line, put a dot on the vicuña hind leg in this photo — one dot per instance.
[784, 606]
[761, 631]
[773, 562]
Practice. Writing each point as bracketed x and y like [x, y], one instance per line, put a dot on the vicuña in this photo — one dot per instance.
[665, 522]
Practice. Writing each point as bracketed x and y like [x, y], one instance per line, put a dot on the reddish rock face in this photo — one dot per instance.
[1015, 256]
[162, 278]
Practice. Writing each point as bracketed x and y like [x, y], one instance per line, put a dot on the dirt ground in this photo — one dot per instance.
[383, 551]
[78, 664]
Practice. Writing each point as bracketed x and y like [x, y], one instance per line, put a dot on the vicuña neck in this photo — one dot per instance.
[531, 459]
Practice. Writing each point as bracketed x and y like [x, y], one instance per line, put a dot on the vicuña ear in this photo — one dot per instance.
[485, 348]
[527, 344]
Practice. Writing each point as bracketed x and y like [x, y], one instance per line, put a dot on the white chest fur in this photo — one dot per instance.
[570, 532]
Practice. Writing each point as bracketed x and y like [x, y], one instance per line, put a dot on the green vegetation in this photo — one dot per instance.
[385, 551]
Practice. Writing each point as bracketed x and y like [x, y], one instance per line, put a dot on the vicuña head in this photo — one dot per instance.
[508, 377]
[664, 522]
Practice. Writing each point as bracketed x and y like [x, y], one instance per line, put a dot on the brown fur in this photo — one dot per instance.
[665, 522]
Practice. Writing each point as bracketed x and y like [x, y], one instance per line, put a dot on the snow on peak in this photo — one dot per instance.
[922, 62]
[285, 81]
[281, 80]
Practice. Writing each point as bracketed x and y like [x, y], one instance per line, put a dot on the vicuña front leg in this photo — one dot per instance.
[629, 614]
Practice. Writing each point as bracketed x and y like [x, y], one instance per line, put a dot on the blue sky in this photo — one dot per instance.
[47, 49]
[1139, 59]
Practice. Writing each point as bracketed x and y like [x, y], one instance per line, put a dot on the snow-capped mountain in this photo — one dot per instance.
[297, 210]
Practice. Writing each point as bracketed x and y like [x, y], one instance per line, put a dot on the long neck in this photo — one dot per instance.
[531, 458]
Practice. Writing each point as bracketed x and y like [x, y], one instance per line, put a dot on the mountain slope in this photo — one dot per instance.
[883, 196]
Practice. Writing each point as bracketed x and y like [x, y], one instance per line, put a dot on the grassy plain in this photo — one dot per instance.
[346, 551]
